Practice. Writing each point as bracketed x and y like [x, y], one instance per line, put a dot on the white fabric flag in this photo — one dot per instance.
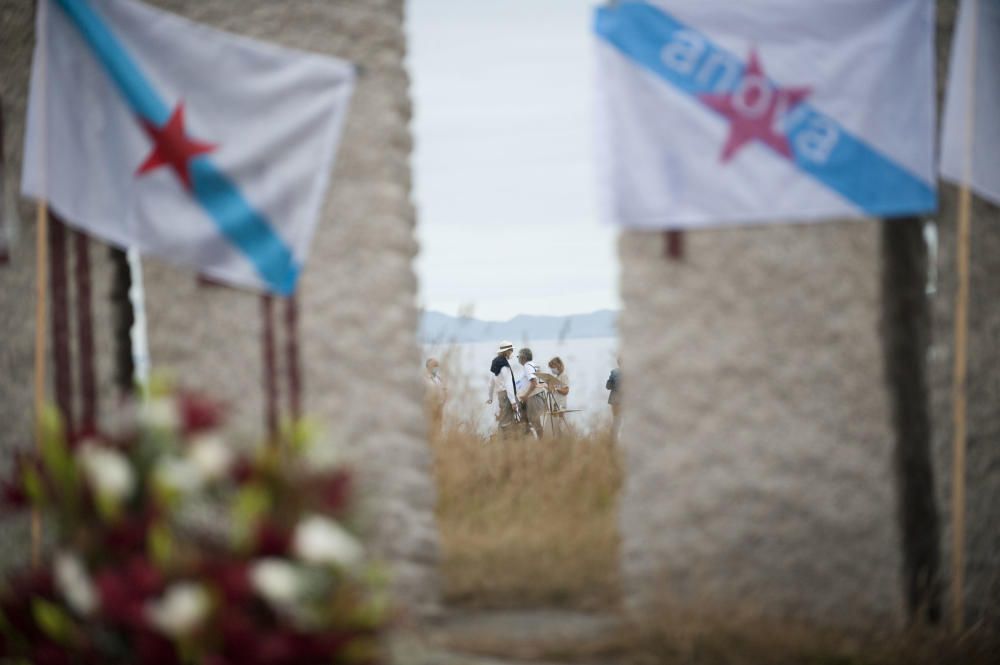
[984, 177]
[718, 112]
[204, 148]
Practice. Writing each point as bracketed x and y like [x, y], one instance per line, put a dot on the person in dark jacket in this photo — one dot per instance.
[614, 385]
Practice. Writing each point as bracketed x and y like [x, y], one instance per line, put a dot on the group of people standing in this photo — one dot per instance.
[526, 401]
[521, 404]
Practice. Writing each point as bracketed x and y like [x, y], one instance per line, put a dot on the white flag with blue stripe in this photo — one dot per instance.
[207, 149]
[724, 112]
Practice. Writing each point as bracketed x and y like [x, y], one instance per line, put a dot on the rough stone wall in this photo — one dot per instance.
[357, 309]
[757, 435]
[18, 278]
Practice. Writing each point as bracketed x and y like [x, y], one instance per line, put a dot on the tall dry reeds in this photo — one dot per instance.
[526, 522]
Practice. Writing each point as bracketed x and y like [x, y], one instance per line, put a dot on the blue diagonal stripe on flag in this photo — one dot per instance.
[236, 219]
[854, 169]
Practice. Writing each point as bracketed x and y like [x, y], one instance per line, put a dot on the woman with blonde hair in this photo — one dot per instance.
[559, 392]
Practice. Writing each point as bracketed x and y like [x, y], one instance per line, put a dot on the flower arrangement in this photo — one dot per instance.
[171, 546]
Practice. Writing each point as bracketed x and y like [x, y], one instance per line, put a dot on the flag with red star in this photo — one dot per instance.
[717, 113]
[207, 149]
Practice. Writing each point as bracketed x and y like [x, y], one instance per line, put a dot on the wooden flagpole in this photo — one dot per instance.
[961, 346]
[41, 265]
[41, 286]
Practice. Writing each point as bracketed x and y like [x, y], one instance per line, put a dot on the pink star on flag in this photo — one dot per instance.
[755, 110]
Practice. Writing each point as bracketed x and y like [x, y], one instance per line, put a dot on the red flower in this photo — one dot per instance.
[239, 635]
[129, 534]
[232, 578]
[198, 413]
[144, 578]
[12, 493]
[15, 606]
[334, 490]
[120, 601]
[154, 649]
[279, 647]
[242, 471]
[50, 654]
[13, 496]
[272, 540]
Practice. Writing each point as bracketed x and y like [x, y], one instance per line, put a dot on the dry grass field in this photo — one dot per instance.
[532, 524]
[528, 523]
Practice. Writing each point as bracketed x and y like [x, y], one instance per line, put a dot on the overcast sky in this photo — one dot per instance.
[503, 158]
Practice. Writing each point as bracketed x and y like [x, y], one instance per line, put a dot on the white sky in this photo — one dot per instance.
[503, 159]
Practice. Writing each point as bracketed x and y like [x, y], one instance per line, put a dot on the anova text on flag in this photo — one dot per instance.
[974, 85]
[200, 147]
[714, 113]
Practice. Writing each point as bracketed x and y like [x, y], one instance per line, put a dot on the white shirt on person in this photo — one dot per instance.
[529, 373]
[503, 383]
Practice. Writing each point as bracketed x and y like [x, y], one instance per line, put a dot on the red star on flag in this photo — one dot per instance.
[173, 147]
[755, 110]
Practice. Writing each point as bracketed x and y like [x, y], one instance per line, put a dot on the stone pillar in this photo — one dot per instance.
[357, 311]
[18, 282]
[757, 435]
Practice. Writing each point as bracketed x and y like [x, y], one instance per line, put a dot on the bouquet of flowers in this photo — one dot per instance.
[168, 545]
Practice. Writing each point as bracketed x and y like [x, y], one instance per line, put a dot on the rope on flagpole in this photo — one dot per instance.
[59, 316]
[292, 361]
[961, 345]
[673, 244]
[85, 334]
[270, 375]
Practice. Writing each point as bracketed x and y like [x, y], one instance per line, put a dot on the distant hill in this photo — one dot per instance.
[438, 328]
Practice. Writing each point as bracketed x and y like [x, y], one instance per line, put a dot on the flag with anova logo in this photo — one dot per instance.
[203, 148]
[717, 112]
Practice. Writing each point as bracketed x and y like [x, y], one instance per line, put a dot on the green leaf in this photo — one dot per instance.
[55, 453]
[251, 502]
[33, 486]
[52, 620]
[300, 434]
[108, 507]
[160, 385]
[161, 544]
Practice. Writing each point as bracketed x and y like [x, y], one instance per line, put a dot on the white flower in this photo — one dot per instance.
[181, 609]
[177, 474]
[72, 581]
[212, 457]
[319, 539]
[161, 413]
[108, 471]
[276, 580]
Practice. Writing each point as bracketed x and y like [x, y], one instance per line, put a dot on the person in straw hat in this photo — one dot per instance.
[503, 388]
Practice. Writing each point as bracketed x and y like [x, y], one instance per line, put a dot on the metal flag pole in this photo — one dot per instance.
[961, 346]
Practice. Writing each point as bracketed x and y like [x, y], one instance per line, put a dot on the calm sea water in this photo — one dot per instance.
[466, 370]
